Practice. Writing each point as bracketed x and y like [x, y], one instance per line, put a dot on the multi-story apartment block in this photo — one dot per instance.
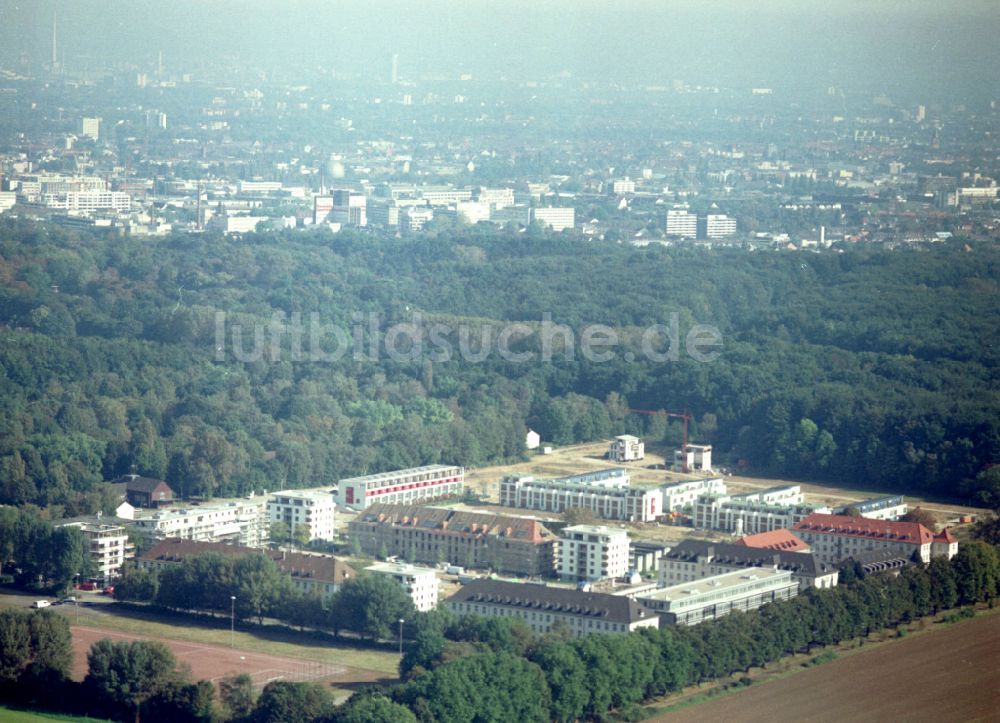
[709, 598]
[420, 583]
[238, 522]
[754, 512]
[593, 552]
[513, 545]
[717, 225]
[834, 538]
[878, 508]
[546, 608]
[697, 458]
[107, 544]
[313, 509]
[680, 495]
[404, 486]
[697, 559]
[556, 218]
[607, 493]
[681, 223]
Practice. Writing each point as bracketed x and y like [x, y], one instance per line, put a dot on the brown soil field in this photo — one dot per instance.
[950, 674]
[213, 662]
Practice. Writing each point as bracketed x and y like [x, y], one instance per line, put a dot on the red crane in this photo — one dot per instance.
[684, 417]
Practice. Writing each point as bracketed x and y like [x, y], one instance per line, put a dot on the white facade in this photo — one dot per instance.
[556, 218]
[682, 223]
[754, 512]
[679, 495]
[626, 448]
[89, 201]
[91, 128]
[315, 510]
[243, 522]
[698, 458]
[709, 598]
[420, 583]
[532, 439]
[414, 219]
[719, 226]
[349, 208]
[107, 546]
[402, 487]
[607, 493]
[593, 552]
[472, 212]
[623, 185]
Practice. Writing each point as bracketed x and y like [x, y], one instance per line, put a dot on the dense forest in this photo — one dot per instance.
[161, 356]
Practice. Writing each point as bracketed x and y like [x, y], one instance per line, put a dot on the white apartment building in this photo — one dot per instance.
[698, 458]
[754, 512]
[879, 508]
[91, 128]
[681, 223]
[240, 522]
[557, 218]
[315, 510]
[543, 608]
[719, 225]
[607, 493]
[690, 603]
[107, 545]
[626, 448]
[402, 487]
[623, 185]
[680, 495]
[593, 552]
[420, 583]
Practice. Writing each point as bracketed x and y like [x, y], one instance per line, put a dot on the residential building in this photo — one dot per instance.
[311, 574]
[496, 197]
[90, 128]
[532, 439]
[623, 185]
[626, 448]
[404, 486]
[607, 493]
[420, 583]
[834, 538]
[593, 552]
[878, 508]
[698, 458]
[107, 544]
[556, 218]
[237, 522]
[512, 545]
[753, 512]
[695, 559]
[944, 544]
[781, 539]
[682, 495]
[717, 225]
[681, 223]
[144, 491]
[545, 608]
[644, 555]
[710, 598]
[315, 510]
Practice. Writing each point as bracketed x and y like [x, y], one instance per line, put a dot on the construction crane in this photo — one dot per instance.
[684, 417]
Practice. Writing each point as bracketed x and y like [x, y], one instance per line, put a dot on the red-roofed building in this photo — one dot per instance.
[944, 544]
[837, 537]
[782, 540]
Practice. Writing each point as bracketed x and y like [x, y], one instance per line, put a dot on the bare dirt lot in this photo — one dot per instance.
[950, 674]
[213, 662]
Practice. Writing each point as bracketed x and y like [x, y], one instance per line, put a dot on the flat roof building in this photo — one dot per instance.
[593, 552]
[315, 510]
[420, 583]
[607, 493]
[402, 487]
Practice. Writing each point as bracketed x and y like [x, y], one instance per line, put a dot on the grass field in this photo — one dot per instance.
[949, 673]
[10, 715]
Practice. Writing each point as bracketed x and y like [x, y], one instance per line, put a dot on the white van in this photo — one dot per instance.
[38, 604]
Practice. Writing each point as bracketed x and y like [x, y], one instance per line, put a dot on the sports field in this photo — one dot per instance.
[949, 674]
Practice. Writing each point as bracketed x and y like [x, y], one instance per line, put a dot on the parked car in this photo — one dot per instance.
[109, 590]
[68, 599]
[88, 585]
[39, 604]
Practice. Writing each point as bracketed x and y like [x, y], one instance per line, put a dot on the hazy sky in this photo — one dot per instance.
[907, 44]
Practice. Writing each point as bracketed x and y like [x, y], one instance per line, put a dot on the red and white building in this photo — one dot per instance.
[834, 538]
[402, 487]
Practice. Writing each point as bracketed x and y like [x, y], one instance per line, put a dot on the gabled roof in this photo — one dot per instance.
[799, 563]
[455, 521]
[134, 483]
[321, 568]
[945, 536]
[909, 532]
[563, 601]
[780, 539]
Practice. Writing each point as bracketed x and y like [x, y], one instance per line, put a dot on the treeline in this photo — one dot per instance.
[367, 605]
[866, 365]
[36, 555]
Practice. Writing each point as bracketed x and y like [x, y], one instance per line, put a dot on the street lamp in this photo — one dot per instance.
[401, 621]
[232, 622]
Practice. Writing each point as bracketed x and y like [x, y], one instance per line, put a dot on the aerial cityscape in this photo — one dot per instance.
[499, 362]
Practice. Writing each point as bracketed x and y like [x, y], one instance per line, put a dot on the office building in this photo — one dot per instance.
[315, 510]
[349, 208]
[710, 598]
[545, 609]
[555, 218]
[593, 552]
